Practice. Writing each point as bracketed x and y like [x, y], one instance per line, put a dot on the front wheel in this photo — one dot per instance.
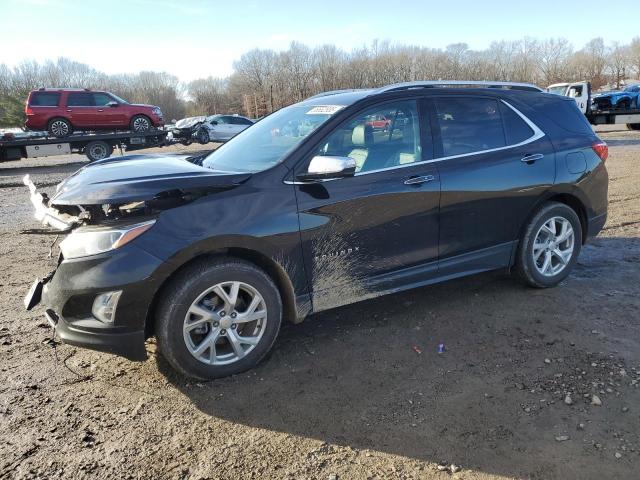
[218, 318]
[141, 124]
[550, 246]
[203, 136]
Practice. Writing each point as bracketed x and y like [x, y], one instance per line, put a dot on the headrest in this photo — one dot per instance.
[362, 135]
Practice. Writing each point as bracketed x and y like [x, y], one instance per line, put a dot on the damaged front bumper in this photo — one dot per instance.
[68, 292]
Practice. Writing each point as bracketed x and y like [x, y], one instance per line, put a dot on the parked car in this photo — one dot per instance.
[210, 253]
[60, 111]
[628, 98]
[214, 128]
[378, 122]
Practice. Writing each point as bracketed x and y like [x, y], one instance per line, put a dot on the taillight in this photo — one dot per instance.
[27, 109]
[601, 149]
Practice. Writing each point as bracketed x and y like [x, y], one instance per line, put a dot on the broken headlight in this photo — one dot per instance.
[86, 241]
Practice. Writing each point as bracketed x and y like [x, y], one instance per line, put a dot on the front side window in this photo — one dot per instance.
[101, 99]
[80, 100]
[469, 125]
[380, 137]
[269, 141]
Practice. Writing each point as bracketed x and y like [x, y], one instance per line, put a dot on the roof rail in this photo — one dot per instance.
[334, 92]
[458, 83]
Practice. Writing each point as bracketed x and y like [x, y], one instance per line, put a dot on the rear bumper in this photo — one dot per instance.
[35, 123]
[595, 225]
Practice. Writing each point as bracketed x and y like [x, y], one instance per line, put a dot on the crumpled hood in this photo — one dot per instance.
[189, 122]
[139, 178]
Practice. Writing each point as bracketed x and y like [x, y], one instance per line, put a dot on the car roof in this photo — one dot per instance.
[348, 97]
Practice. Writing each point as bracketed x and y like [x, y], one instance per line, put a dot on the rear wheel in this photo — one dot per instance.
[550, 246]
[218, 318]
[98, 150]
[633, 126]
[140, 124]
[60, 127]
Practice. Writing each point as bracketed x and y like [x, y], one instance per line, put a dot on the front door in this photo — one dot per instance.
[81, 110]
[372, 232]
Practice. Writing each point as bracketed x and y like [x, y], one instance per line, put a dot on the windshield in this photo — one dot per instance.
[120, 100]
[268, 141]
[557, 90]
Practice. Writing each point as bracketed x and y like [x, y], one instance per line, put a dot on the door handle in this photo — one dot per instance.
[69, 110]
[100, 110]
[419, 180]
[531, 158]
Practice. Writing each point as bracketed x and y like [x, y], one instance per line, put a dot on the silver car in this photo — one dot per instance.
[220, 128]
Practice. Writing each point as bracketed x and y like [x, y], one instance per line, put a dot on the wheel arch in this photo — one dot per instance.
[272, 268]
[569, 200]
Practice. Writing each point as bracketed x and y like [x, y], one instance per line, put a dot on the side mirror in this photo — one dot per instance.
[327, 167]
[214, 122]
[113, 104]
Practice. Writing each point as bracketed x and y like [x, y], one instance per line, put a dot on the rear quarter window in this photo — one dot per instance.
[44, 99]
[564, 113]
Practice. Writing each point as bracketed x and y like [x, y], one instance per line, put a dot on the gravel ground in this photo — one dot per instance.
[539, 384]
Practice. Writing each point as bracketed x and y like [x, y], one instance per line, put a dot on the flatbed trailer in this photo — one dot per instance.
[629, 117]
[95, 145]
[581, 93]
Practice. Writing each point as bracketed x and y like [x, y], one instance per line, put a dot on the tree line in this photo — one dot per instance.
[265, 80]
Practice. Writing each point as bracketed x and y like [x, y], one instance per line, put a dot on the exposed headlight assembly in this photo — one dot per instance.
[86, 241]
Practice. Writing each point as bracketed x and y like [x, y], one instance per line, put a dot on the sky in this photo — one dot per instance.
[197, 38]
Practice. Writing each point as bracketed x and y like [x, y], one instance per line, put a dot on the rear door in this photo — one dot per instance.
[494, 164]
[81, 110]
[378, 229]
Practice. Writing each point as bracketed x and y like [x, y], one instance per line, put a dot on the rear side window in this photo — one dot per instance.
[469, 125]
[44, 99]
[80, 100]
[516, 129]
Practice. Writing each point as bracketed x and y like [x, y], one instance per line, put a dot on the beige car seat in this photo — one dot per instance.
[362, 139]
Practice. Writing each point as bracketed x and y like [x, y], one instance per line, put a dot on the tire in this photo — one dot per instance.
[140, 123]
[633, 126]
[188, 293]
[59, 127]
[203, 136]
[527, 268]
[98, 150]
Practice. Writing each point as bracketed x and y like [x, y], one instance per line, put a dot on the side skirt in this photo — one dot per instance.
[486, 259]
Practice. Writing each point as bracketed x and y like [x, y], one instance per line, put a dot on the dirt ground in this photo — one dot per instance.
[347, 394]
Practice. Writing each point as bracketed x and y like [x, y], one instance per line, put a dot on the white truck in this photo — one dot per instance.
[581, 93]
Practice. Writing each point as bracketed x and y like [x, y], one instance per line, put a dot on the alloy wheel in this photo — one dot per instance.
[59, 128]
[141, 124]
[225, 323]
[553, 246]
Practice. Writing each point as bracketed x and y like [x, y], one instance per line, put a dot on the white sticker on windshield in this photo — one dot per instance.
[325, 109]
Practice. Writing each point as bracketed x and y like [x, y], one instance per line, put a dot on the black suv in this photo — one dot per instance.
[313, 207]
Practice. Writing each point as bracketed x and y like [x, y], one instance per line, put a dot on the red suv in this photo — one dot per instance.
[61, 111]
